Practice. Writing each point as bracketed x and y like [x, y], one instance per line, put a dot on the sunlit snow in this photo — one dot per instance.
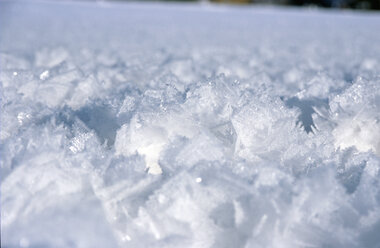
[188, 125]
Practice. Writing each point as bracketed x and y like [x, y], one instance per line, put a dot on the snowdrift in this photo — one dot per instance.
[185, 125]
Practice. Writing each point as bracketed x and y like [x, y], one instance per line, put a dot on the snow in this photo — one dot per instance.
[188, 125]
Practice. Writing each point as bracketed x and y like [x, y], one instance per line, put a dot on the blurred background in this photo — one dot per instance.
[350, 4]
[353, 4]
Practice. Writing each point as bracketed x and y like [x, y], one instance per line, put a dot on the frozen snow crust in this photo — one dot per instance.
[147, 125]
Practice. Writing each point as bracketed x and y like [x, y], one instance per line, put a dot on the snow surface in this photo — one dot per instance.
[188, 125]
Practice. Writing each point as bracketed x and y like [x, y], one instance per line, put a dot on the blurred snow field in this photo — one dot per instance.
[188, 125]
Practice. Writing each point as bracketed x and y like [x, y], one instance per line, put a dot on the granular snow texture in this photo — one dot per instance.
[188, 125]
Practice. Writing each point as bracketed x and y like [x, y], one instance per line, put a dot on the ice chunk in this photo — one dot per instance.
[44, 75]
[82, 93]
[146, 141]
[357, 114]
[148, 134]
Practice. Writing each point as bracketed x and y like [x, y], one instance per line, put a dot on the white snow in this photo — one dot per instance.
[188, 125]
